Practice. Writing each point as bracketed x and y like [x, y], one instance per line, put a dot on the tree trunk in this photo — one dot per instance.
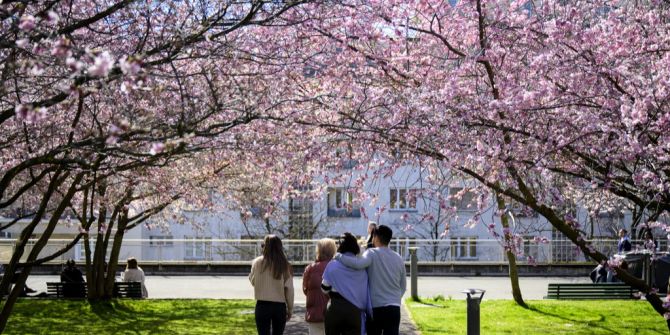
[96, 280]
[13, 296]
[116, 251]
[511, 257]
[20, 246]
[34, 253]
[99, 257]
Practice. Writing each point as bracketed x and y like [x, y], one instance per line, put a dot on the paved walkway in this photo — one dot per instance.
[297, 325]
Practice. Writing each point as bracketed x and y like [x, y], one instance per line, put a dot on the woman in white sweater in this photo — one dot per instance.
[272, 278]
[134, 273]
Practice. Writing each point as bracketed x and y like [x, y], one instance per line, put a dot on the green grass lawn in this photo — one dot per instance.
[543, 317]
[46, 316]
[207, 316]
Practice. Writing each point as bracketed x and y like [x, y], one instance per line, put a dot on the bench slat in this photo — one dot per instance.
[590, 291]
[73, 290]
[121, 289]
[128, 289]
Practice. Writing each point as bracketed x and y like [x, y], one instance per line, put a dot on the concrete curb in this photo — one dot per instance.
[407, 324]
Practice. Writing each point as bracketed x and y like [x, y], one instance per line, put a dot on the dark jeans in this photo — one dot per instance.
[342, 317]
[386, 321]
[270, 315]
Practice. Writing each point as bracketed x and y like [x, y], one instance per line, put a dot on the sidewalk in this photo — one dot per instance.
[298, 326]
[238, 287]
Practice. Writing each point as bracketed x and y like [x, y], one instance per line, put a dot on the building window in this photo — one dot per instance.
[197, 248]
[339, 198]
[155, 241]
[464, 247]
[80, 250]
[341, 203]
[462, 200]
[402, 198]
[5, 234]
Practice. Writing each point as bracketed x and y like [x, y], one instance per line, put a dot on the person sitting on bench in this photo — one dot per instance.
[599, 274]
[134, 273]
[72, 280]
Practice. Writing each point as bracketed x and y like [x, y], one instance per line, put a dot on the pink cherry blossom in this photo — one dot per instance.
[157, 148]
[22, 43]
[102, 64]
[27, 22]
[52, 17]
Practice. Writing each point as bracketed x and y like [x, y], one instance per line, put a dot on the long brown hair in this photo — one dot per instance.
[274, 257]
[131, 263]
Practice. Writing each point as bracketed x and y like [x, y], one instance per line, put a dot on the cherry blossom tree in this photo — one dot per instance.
[98, 98]
[522, 96]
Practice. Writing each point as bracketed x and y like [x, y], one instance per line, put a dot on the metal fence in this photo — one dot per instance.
[202, 250]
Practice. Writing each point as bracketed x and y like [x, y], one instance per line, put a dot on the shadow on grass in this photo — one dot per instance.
[634, 327]
[601, 318]
[133, 317]
[429, 304]
[419, 301]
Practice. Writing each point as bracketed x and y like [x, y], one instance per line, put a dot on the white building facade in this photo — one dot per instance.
[403, 200]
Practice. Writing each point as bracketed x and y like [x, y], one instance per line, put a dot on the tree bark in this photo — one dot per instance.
[116, 250]
[19, 249]
[511, 257]
[34, 253]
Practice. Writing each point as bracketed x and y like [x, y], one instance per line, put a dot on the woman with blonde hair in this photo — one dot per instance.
[272, 278]
[317, 301]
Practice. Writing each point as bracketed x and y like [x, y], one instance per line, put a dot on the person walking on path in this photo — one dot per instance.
[348, 291]
[272, 278]
[386, 271]
[311, 286]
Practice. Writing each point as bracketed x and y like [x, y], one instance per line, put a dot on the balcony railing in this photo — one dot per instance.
[236, 250]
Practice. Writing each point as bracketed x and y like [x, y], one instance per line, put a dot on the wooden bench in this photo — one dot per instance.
[590, 291]
[127, 289]
[80, 290]
[66, 290]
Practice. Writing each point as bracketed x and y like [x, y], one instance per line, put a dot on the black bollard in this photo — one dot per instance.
[474, 298]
